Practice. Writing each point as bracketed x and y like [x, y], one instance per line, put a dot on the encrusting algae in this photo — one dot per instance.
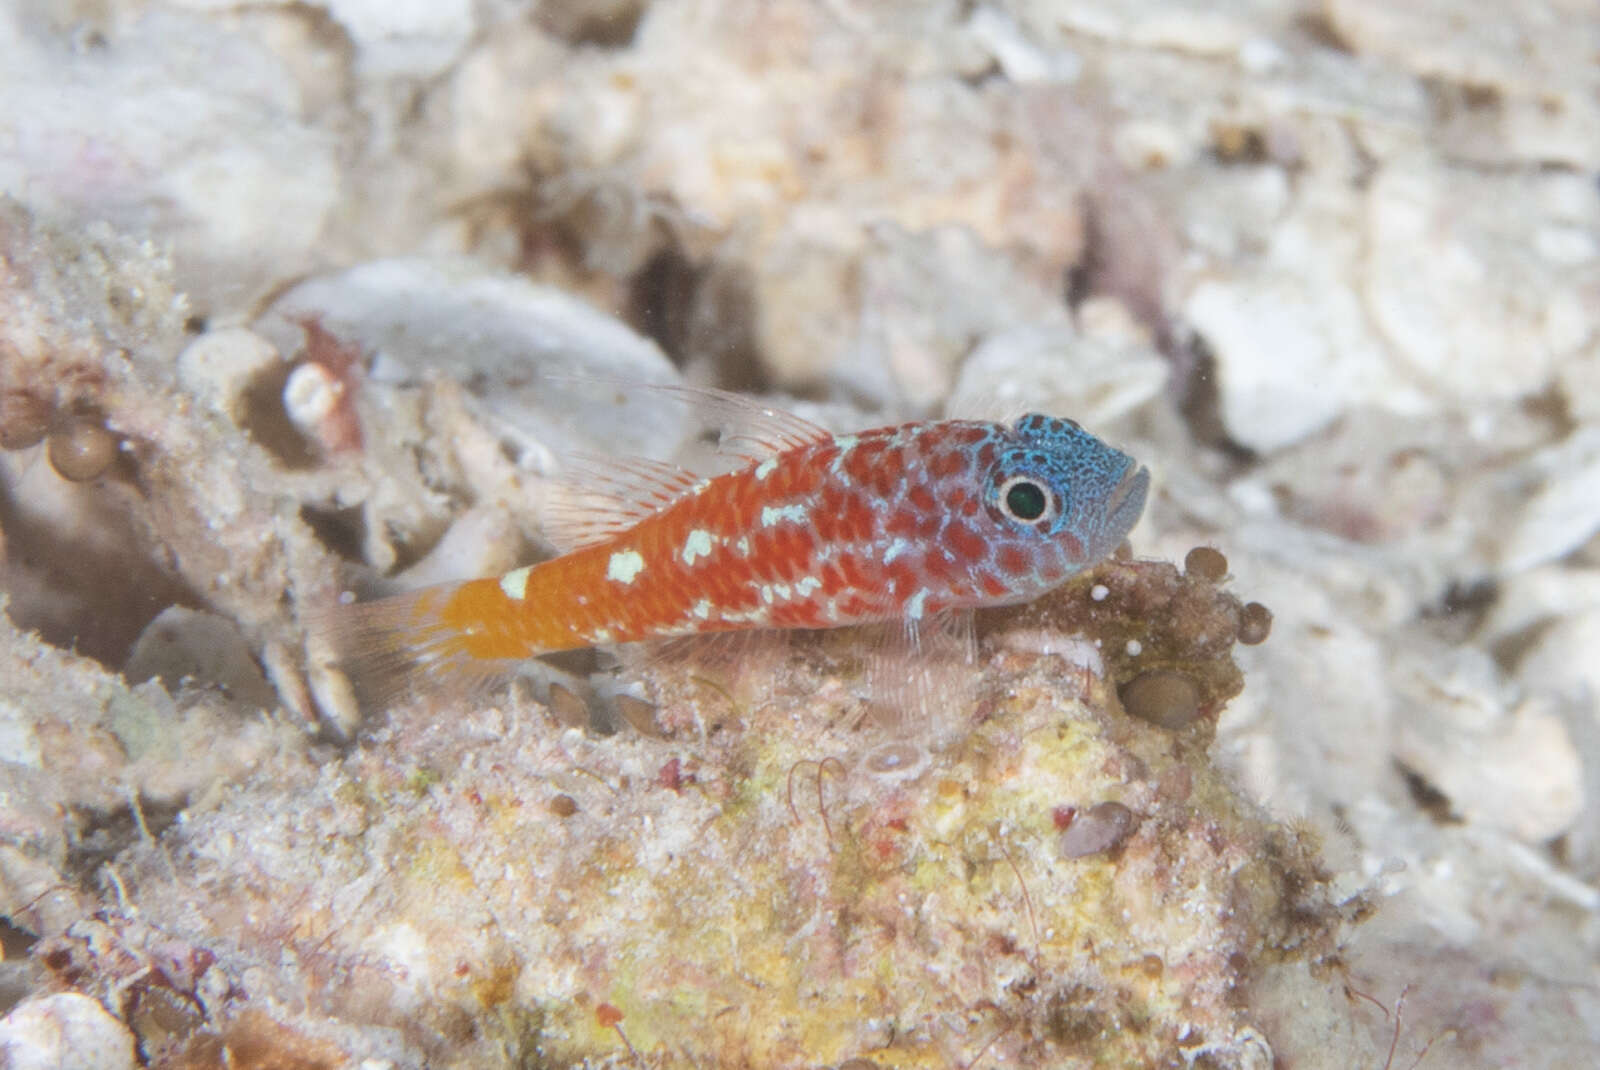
[755, 891]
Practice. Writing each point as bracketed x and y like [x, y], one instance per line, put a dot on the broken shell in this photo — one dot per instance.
[568, 708]
[640, 715]
[311, 395]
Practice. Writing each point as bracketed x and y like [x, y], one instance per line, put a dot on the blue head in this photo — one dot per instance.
[1063, 495]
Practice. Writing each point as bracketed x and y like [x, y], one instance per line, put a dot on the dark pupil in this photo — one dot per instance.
[1025, 501]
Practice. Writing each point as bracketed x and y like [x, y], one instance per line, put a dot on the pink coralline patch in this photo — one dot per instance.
[320, 393]
[670, 775]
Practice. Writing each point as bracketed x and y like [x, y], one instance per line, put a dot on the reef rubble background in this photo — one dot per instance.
[278, 284]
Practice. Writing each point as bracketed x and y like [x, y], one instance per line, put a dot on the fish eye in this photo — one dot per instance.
[1026, 499]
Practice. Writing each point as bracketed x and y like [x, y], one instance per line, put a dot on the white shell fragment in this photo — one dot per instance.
[1564, 511]
[1028, 369]
[1503, 762]
[515, 345]
[112, 133]
[67, 1029]
[310, 395]
[186, 646]
[220, 366]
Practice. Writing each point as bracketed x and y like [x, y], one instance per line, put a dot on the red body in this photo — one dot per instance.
[898, 522]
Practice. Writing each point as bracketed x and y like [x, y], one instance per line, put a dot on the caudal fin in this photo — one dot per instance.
[394, 648]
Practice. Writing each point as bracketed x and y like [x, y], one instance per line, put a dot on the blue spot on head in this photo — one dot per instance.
[1093, 493]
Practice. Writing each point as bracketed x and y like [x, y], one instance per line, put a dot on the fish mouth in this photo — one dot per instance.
[1125, 503]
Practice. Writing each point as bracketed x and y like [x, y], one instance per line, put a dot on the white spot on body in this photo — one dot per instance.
[845, 443]
[776, 514]
[804, 587]
[1134, 648]
[1099, 592]
[743, 546]
[624, 566]
[915, 603]
[896, 548]
[766, 467]
[702, 609]
[515, 583]
[698, 544]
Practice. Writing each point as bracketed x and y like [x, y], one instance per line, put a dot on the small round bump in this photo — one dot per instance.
[1255, 624]
[1206, 563]
[1098, 829]
[895, 759]
[81, 448]
[1162, 697]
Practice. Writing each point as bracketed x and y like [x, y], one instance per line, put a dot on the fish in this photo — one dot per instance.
[913, 525]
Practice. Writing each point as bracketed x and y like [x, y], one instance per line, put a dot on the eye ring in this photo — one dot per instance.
[1027, 500]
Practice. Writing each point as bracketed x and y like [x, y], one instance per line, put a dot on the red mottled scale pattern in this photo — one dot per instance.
[831, 513]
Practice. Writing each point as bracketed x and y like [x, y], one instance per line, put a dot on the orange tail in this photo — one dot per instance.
[424, 640]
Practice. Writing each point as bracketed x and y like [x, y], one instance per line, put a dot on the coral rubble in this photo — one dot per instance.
[291, 299]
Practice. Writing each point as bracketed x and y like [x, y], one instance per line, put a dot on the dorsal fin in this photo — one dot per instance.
[595, 497]
[748, 427]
